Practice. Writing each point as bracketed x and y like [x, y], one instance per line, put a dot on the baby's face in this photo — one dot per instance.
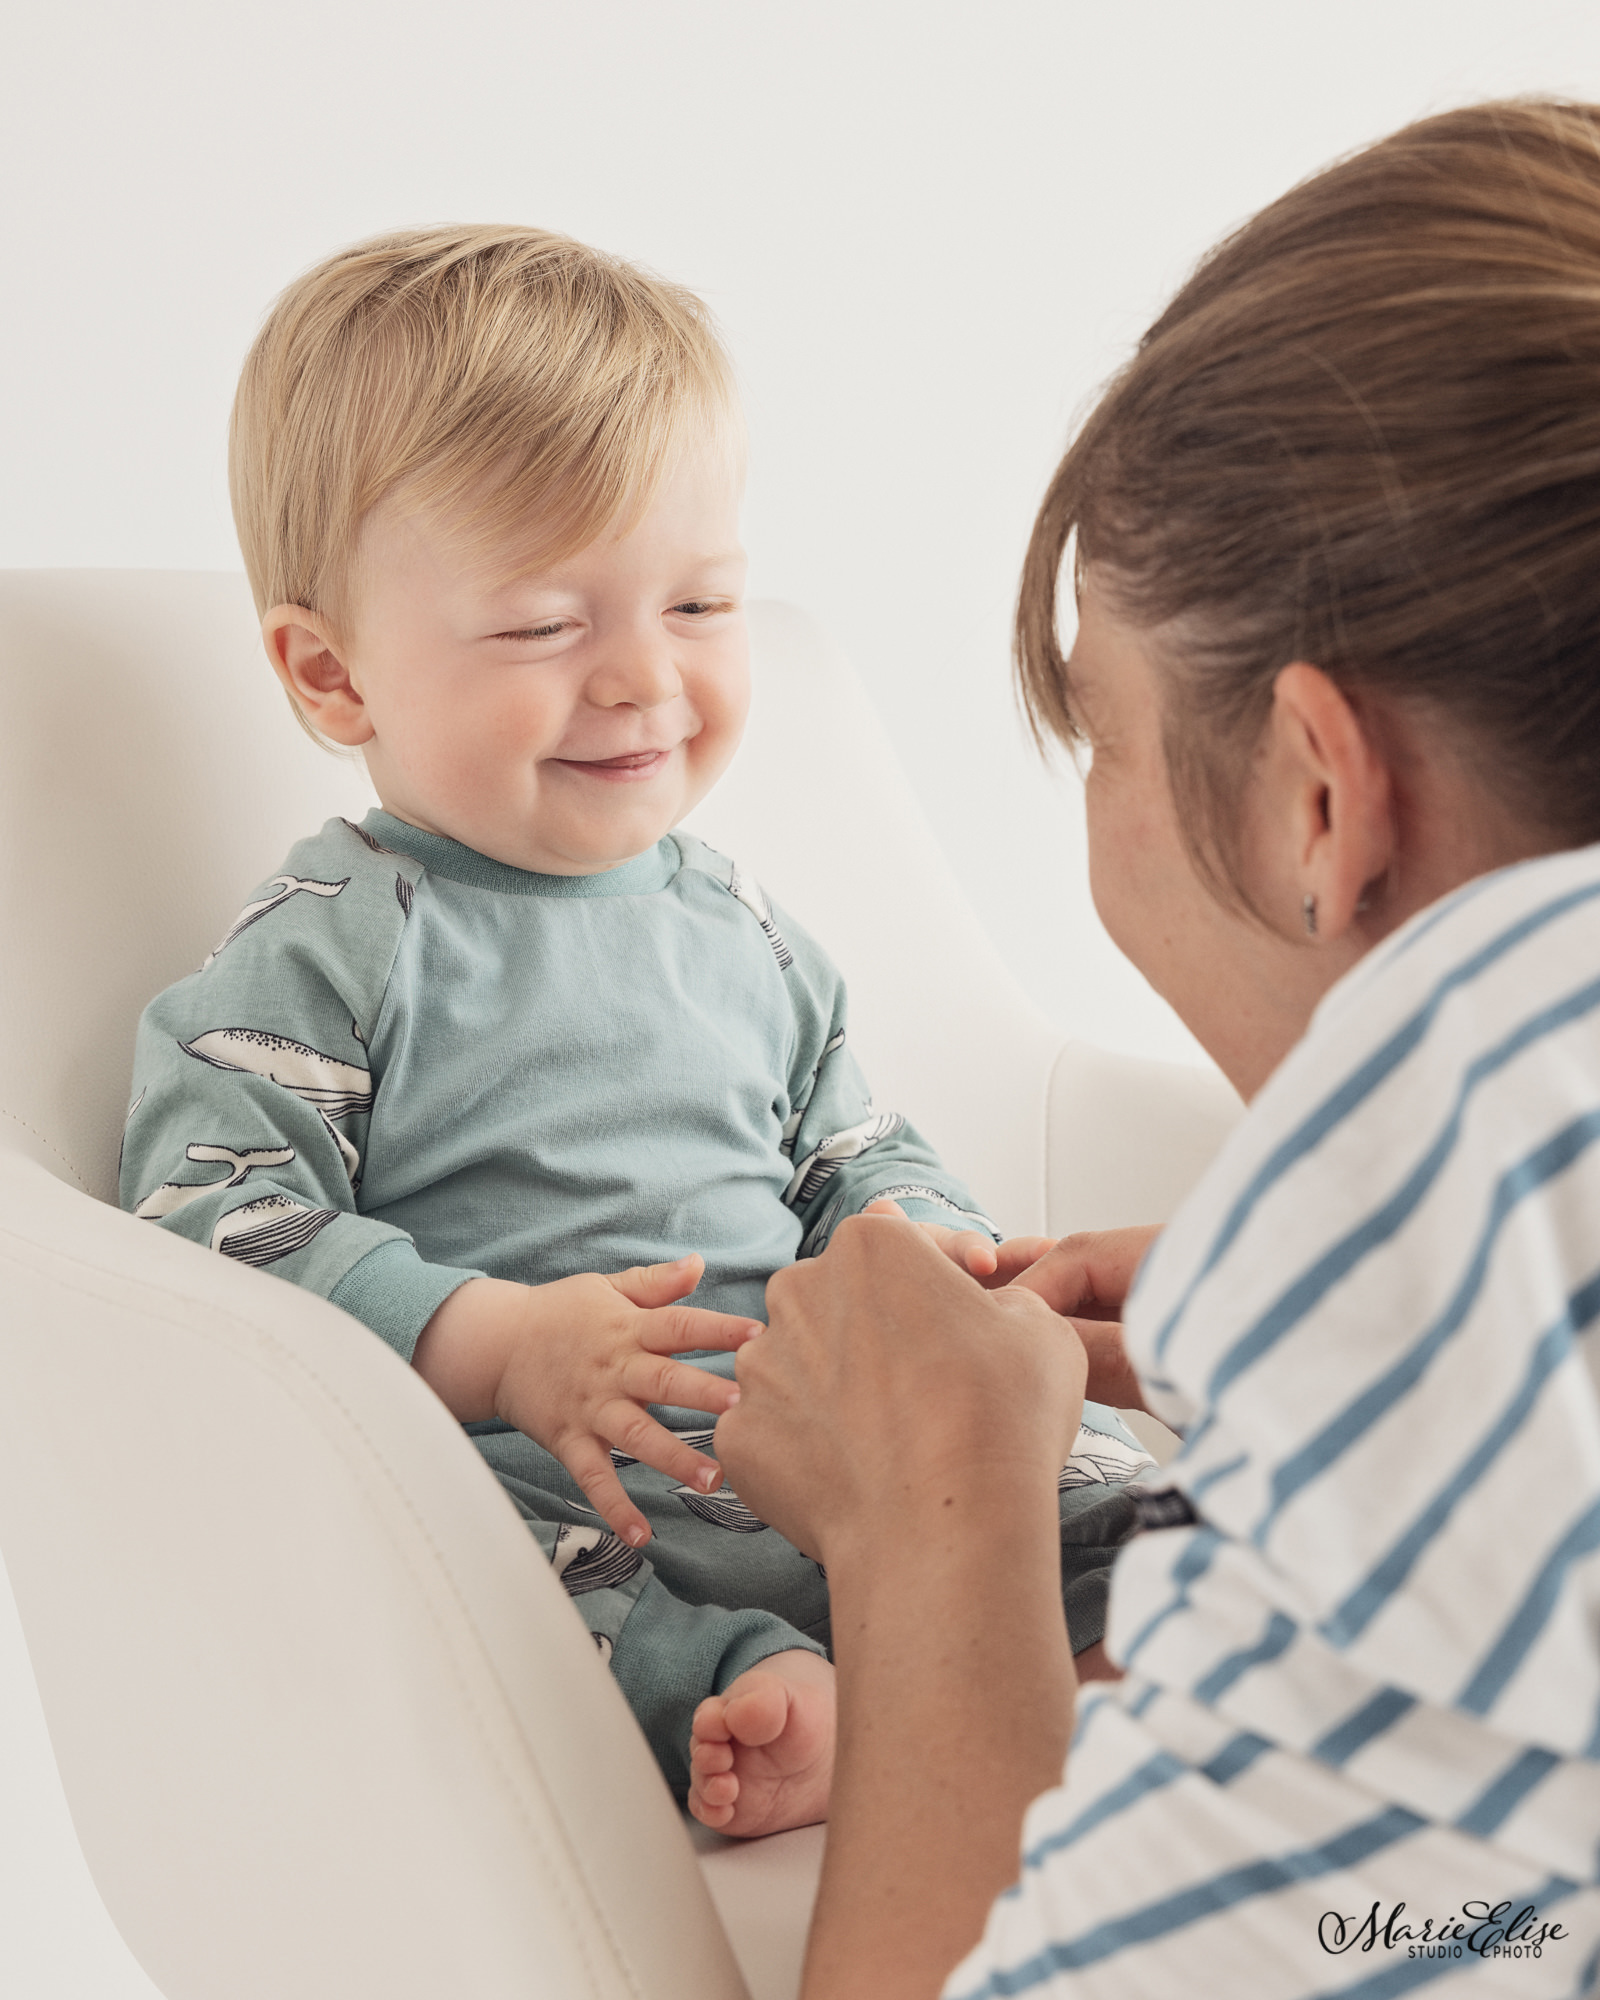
[565, 722]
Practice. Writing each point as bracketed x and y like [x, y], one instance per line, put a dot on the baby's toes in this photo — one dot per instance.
[714, 1816]
[759, 1713]
[710, 1724]
[718, 1788]
[707, 1760]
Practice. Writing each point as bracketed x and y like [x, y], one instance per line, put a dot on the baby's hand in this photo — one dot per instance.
[992, 1264]
[572, 1364]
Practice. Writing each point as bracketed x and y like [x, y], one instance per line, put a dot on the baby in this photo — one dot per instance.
[511, 1069]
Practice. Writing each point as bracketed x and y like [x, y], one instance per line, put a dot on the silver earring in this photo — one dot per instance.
[1308, 910]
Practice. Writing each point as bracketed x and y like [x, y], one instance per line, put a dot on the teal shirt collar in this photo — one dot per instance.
[642, 876]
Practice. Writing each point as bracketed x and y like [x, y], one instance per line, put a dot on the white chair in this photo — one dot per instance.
[326, 1723]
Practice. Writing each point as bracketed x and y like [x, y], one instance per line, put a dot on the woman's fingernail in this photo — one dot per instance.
[637, 1537]
[707, 1479]
[733, 1397]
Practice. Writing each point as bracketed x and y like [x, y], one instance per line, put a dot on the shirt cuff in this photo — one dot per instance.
[392, 1291]
[926, 1204]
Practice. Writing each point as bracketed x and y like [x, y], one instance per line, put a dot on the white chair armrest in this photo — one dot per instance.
[277, 1606]
[1128, 1138]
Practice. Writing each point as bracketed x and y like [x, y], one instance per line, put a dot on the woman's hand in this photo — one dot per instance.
[888, 1382]
[906, 1427]
[1087, 1279]
[992, 1264]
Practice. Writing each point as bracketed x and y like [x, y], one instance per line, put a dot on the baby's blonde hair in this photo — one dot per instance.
[503, 377]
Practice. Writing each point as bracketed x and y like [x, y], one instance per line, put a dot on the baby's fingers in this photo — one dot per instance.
[651, 1285]
[683, 1329]
[589, 1462]
[974, 1253]
[652, 1378]
[1018, 1254]
[638, 1434]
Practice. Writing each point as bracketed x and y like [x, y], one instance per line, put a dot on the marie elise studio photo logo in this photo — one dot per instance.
[1476, 1930]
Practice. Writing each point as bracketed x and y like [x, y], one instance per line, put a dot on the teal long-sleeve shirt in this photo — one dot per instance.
[406, 1065]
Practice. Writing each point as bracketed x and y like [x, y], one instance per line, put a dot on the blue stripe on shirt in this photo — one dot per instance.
[1500, 1799]
[1194, 1559]
[1523, 1627]
[1150, 1776]
[1381, 1396]
[1386, 1221]
[1275, 1640]
[1339, 1744]
[1207, 1898]
[1235, 1757]
[1206, 1480]
[1360, 1085]
[1351, 1618]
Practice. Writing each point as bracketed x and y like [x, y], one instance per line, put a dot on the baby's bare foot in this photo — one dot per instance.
[761, 1755]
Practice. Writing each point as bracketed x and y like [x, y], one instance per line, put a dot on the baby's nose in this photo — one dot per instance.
[640, 672]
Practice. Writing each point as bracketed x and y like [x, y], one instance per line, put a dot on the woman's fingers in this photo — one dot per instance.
[1088, 1276]
[883, 1363]
[1111, 1379]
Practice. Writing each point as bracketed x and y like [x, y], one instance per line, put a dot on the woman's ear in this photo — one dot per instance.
[309, 661]
[1336, 795]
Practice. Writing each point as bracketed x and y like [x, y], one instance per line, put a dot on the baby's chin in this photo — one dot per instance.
[588, 850]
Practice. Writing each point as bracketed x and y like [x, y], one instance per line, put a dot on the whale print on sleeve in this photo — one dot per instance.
[754, 898]
[336, 1089]
[824, 1161]
[284, 886]
[791, 1125]
[260, 1232]
[173, 1195]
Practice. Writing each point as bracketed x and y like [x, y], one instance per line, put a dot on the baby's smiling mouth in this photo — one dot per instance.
[632, 764]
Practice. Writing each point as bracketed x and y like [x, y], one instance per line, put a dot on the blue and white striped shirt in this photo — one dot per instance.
[1363, 1671]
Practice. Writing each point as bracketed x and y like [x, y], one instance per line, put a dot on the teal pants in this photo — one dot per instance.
[719, 1591]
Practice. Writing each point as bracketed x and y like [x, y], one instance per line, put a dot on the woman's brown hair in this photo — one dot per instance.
[1366, 433]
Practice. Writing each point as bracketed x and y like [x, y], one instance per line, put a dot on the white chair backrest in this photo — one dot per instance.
[150, 774]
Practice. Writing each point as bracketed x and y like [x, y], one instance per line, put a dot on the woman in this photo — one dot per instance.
[1337, 563]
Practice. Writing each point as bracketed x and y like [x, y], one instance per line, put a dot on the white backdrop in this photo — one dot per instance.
[929, 230]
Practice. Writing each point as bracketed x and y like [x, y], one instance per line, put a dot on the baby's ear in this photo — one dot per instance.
[307, 658]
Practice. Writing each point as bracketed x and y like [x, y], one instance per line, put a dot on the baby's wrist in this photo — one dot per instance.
[463, 1351]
